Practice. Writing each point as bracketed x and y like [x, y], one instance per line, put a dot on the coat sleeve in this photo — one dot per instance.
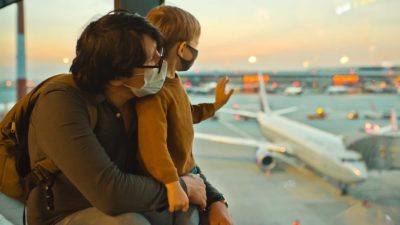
[202, 112]
[213, 194]
[63, 133]
[152, 136]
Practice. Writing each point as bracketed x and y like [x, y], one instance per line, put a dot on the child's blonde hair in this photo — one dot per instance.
[175, 24]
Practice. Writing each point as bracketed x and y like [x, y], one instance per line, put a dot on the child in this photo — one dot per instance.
[165, 119]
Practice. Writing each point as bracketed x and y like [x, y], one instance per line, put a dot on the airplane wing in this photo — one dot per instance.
[285, 110]
[239, 112]
[276, 151]
[242, 141]
[253, 114]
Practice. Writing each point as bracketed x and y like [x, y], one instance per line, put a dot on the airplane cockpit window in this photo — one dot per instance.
[319, 78]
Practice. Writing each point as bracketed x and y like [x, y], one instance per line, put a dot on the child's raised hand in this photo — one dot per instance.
[177, 198]
[221, 97]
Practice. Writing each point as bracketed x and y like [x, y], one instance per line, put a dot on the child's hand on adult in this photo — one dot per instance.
[221, 97]
[177, 198]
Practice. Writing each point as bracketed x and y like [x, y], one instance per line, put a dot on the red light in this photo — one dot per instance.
[296, 222]
[187, 84]
[275, 84]
[9, 83]
[296, 83]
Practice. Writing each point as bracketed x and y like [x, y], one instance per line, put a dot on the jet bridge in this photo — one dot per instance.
[380, 152]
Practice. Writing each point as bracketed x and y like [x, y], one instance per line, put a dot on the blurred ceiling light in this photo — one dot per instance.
[306, 64]
[346, 7]
[65, 60]
[343, 8]
[252, 59]
[344, 60]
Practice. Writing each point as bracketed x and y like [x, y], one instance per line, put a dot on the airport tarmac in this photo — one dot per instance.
[295, 193]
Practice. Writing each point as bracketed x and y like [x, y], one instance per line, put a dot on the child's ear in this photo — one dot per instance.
[181, 47]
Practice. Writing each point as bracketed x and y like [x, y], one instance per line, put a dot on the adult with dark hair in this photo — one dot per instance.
[97, 184]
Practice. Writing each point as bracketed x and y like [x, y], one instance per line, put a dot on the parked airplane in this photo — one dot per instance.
[391, 130]
[206, 88]
[374, 113]
[293, 91]
[322, 151]
[333, 90]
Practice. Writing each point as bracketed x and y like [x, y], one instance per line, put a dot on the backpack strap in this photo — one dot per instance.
[45, 170]
[92, 110]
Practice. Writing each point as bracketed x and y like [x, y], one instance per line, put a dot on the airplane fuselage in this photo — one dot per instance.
[322, 151]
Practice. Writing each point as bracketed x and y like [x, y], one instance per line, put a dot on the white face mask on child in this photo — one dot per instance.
[153, 81]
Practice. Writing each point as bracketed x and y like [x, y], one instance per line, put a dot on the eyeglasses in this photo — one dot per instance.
[160, 62]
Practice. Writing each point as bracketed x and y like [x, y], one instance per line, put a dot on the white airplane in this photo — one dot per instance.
[332, 90]
[389, 130]
[293, 91]
[322, 151]
[206, 88]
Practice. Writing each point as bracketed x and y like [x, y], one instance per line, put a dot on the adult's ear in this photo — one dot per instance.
[116, 82]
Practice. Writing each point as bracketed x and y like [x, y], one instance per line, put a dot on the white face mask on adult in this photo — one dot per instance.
[153, 81]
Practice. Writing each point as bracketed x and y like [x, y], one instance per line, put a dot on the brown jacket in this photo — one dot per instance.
[97, 166]
[165, 127]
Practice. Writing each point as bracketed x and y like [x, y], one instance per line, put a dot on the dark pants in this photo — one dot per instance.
[191, 217]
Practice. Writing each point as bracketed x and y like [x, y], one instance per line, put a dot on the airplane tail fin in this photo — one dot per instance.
[393, 121]
[263, 94]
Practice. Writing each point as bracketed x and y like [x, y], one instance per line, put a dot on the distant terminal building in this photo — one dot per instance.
[365, 79]
[338, 80]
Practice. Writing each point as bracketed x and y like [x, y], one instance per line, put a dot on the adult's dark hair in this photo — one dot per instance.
[110, 48]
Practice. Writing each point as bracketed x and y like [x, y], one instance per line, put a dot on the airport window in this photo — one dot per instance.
[325, 74]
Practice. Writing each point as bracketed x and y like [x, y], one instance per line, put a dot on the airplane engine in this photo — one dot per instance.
[264, 159]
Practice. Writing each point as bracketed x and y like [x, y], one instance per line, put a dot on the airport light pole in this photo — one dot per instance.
[21, 66]
[21, 63]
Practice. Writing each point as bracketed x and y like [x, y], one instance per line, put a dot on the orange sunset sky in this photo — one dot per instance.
[282, 35]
